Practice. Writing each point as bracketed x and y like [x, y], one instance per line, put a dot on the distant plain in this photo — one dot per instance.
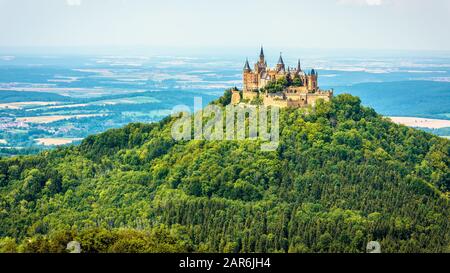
[65, 98]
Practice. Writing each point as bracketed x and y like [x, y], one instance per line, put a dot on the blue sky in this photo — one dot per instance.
[363, 24]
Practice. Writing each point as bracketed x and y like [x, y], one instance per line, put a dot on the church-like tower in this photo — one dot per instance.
[280, 65]
[261, 65]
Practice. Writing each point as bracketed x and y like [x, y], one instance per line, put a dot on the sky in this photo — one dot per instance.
[333, 24]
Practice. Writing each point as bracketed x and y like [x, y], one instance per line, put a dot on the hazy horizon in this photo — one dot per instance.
[406, 25]
[232, 53]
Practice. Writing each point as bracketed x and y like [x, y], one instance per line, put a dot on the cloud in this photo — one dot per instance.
[73, 2]
[362, 2]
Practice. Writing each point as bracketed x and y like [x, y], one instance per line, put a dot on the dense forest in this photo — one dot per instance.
[342, 176]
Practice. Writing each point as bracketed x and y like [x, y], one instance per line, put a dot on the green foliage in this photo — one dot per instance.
[297, 81]
[257, 101]
[99, 240]
[226, 98]
[342, 176]
[278, 85]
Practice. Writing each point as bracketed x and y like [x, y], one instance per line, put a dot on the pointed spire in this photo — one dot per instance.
[280, 64]
[247, 66]
[280, 60]
[261, 57]
[299, 66]
[313, 72]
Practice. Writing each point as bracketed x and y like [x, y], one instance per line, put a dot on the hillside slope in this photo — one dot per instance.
[342, 176]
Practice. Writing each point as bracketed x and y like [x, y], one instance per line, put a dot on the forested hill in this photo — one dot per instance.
[341, 176]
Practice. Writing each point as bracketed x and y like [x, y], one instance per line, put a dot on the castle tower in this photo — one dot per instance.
[299, 67]
[235, 96]
[312, 80]
[261, 65]
[247, 67]
[280, 64]
[247, 75]
[261, 56]
[250, 78]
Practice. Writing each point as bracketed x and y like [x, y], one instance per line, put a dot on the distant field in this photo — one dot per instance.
[56, 141]
[67, 106]
[21, 105]
[421, 122]
[24, 96]
[49, 119]
[132, 100]
[120, 101]
[152, 113]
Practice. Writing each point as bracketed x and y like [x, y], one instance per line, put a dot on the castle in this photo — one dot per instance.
[299, 89]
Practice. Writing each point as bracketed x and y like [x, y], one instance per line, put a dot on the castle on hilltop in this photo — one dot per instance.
[279, 86]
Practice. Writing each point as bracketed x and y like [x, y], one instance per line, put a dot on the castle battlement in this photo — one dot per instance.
[300, 88]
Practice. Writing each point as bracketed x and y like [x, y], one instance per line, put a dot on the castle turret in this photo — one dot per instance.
[261, 65]
[312, 80]
[280, 64]
[250, 78]
[299, 67]
[247, 67]
[261, 56]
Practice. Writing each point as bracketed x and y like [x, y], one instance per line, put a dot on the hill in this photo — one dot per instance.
[341, 176]
[25, 96]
